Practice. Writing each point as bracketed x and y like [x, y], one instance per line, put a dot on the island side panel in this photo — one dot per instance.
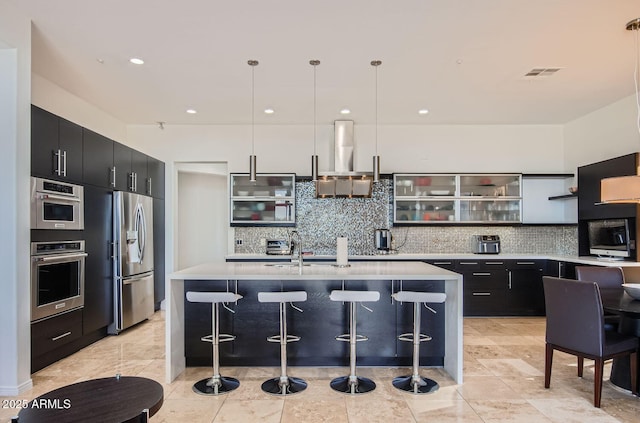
[174, 329]
[454, 329]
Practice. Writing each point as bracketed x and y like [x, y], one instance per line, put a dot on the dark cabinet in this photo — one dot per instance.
[560, 269]
[97, 160]
[98, 284]
[155, 178]
[525, 295]
[139, 172]
[53, 334]
[122, 164]
[485, 287]
[56, 147]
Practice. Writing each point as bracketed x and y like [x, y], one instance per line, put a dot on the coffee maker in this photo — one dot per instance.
[383, 240]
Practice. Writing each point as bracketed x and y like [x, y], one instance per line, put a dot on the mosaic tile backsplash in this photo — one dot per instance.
[321, 220]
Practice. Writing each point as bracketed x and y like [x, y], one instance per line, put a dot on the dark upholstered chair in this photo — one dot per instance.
[575, 325]
[605, 277]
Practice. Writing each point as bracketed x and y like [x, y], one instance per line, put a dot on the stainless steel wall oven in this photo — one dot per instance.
[56, 205]
[57, 277]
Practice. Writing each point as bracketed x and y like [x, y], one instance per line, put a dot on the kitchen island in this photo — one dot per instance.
[321, 320]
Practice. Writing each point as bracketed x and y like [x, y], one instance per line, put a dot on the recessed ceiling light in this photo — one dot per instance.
[136, 61]
[101, 61]
[423, 111]
[269, 111]
[345, 111]
[192, 111]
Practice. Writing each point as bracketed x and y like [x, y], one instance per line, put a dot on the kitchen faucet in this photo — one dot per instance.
[295, 242]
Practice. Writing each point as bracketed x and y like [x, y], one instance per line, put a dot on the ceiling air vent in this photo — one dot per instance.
[538, 72]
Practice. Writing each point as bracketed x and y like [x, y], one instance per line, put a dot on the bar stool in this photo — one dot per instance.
[215, 385]
[415, 383]
[284, 384]
[353, 384]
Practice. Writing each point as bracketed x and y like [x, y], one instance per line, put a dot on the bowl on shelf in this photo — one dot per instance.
[632, 289]
[439, 192]
[573, 190]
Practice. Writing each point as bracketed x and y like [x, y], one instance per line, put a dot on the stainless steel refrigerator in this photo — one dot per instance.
[133, 259]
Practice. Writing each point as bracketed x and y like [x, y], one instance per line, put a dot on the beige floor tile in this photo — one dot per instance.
[369, 410]
[508, 411]
[510, 367]
[187, 410]
[486, 388]
[443, 411]
[263, 411]
[571, 410]
[315, 411]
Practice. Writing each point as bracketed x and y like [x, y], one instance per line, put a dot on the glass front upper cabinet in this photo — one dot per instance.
[269, 201]
[457, 198]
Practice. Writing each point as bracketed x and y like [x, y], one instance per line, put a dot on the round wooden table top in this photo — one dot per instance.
[114, 399]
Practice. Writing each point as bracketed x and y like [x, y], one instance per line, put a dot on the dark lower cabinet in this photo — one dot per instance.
[525, 294]
[49, 338]
[98, 234]
[485, 287]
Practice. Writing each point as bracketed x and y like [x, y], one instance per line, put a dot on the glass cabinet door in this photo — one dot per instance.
[490, 211]
[269, 201]
[417, 185]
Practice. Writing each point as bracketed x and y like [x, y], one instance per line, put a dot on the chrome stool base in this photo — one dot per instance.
[274, 387]
[207, 387]
[361, 385]
[421, 386]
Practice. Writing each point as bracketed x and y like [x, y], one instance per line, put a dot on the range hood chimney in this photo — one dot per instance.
[343, 181]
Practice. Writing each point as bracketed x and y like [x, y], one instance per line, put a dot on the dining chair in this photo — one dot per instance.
[575, 325]
[605, 277]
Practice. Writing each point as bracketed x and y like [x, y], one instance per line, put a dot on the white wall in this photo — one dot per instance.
[603, 134]
[49, 96]
[15, 74]
[202, 214]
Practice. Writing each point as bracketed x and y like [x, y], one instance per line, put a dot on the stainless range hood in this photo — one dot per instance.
[343, 181]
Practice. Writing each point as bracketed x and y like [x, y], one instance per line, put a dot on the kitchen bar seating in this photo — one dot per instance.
[217, 384]
[575, 325]
[353, 384]
[284, 384]
[415, 383]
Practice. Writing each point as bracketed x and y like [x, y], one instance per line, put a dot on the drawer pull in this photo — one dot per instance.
[441, 262]
[61, 336]
[468, 262]
[499, 263]
[481, 294]
[481, 273]
[525, 262]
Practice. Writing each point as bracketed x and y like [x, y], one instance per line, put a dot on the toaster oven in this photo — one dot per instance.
[485, 244]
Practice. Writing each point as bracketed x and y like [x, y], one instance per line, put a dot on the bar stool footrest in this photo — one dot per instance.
[223, 337]
[409, 337]
[290, 338]
[347, 337]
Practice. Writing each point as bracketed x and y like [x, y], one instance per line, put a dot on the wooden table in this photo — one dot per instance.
[114, 399]
[615, 300]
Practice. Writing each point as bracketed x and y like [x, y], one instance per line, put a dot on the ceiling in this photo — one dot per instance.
[463, 60]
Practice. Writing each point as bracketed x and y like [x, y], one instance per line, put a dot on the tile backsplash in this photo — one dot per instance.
[321, 220]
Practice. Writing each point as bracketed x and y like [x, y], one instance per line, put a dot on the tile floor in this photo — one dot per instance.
[503, 371]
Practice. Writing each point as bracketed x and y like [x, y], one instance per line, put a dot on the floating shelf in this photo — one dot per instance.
[563, 197]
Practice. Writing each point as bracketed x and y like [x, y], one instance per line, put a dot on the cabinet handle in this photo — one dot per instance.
[131, 187]
[441, 262]
[57, 165]
[509, 272]
[523, 263]
[64, 163]
[481, 294]
[498, 263]
[481, 273]
[468, 262]
[149, 186]
[135, 181]
[61, 336]
[113, 176]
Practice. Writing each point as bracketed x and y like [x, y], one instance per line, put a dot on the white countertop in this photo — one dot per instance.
[373, 270]
[446, 256]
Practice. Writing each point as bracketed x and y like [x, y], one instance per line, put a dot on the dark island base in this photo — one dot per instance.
[318, 325]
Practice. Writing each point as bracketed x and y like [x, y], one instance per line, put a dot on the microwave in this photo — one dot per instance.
[56, 205]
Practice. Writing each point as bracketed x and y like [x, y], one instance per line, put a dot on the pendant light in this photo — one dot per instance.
[252, 157]
[314, 157]
[625, 189]
[376, 157]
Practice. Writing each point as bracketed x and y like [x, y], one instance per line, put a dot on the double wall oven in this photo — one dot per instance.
[57, 277]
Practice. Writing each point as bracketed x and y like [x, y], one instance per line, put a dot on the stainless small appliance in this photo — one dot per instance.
[485, 244]
[56, 205]
[133, 264]
[57, 277]
[383, 240]
[278, 247]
